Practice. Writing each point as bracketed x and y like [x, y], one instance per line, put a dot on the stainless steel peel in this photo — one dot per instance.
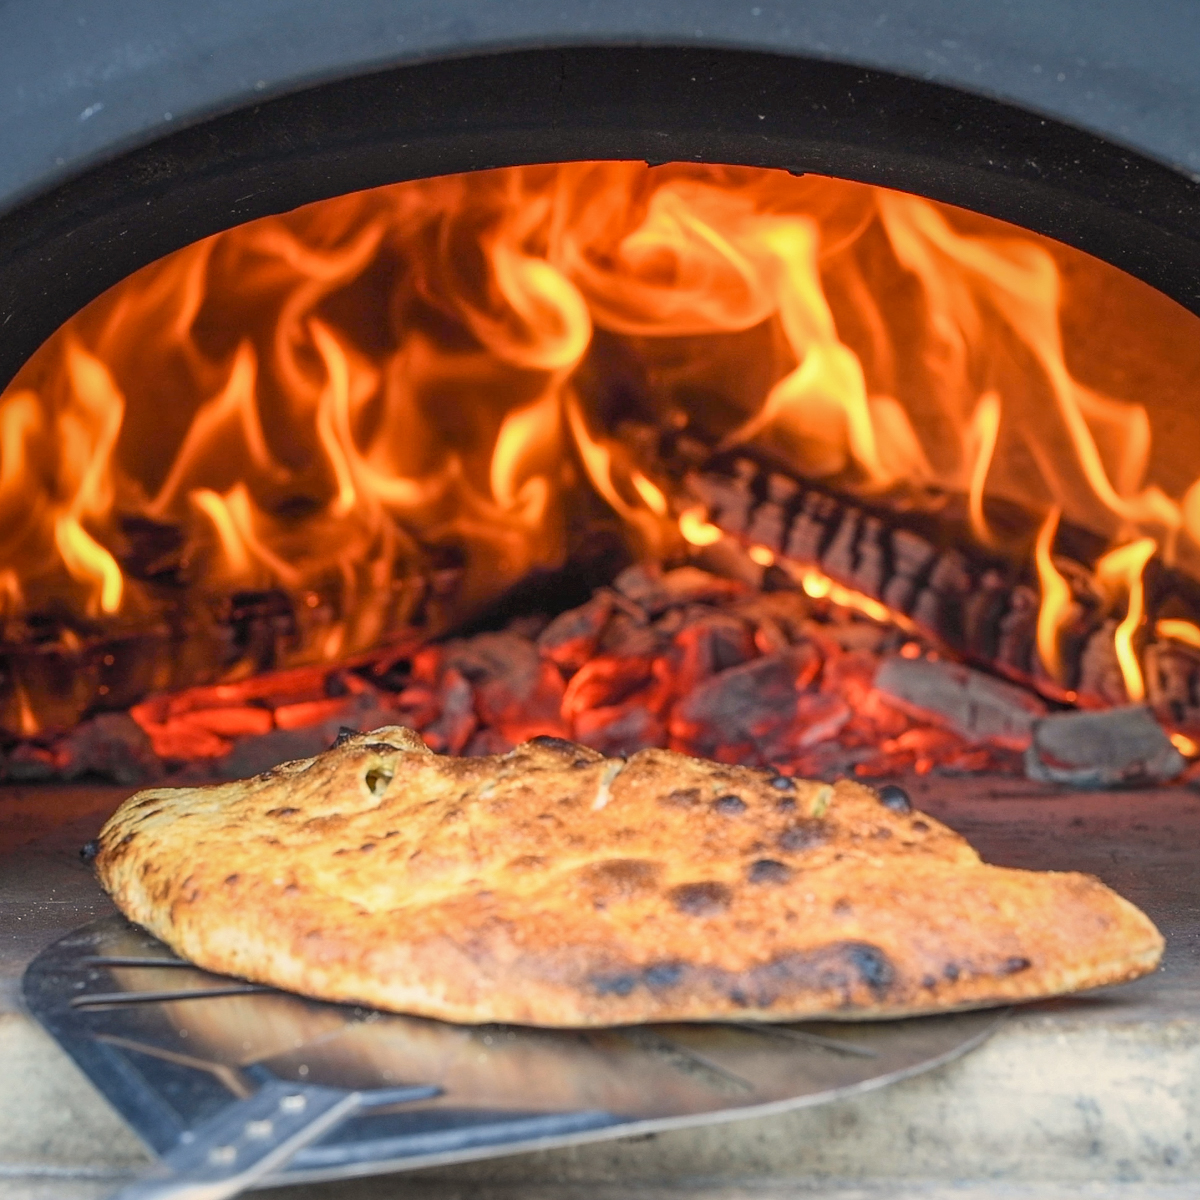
[234, 1085]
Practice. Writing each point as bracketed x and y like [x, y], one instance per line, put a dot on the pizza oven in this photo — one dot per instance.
[802, 388]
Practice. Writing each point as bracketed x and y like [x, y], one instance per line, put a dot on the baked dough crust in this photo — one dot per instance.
[552, 886]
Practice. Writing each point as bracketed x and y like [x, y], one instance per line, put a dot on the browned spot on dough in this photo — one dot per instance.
[767, 870]
[682, 798]
[232, 878]
[617, 879]
[704, 899]
[526, 862]
[281, 812]
[803, 835]
[731, 805]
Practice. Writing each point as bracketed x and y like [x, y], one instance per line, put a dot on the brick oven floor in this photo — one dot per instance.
[1095, 1097]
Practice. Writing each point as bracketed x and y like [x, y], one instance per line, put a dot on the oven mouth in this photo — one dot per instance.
[134, 203]
[314, 440]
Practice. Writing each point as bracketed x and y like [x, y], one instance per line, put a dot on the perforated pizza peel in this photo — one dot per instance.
[235, 1085]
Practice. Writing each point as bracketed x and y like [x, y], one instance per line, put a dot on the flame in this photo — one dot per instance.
[1121, 569]
[335, 401]
[1055, 605]
[1174, 629]
[1185, 745]
[985, 426]
[820, 587]
[696, 530]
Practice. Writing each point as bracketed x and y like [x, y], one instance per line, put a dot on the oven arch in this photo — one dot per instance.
[65, 246]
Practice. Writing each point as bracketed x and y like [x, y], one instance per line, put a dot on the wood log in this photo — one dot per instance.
[979, 604]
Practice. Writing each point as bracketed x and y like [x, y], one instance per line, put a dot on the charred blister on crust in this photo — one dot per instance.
[803, 835]
[656, 977]
[730, 805]
[873, 966]
[615, 985]
[768, 870]
[681, 798]
[547, 741]
[839, 970]
[663, 975]
[281, 812]
[617, 879]
[893, 797]
[706, 898]
[1014, 965]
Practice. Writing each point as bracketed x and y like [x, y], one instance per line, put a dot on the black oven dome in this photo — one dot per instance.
[132, 129]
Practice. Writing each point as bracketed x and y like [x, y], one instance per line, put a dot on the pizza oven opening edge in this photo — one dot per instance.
[784, 390]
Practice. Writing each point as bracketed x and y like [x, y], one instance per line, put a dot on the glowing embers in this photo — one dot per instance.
[301, 438]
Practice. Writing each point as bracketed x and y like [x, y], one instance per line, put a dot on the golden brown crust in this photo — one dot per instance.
[552, 886]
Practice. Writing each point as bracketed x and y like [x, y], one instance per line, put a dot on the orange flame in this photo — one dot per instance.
[325, 400]
[985, 427]
[1185, 745]
[696, 530]
[1056, 597]
[820, 587]
[1174, 629]
[1121, 569]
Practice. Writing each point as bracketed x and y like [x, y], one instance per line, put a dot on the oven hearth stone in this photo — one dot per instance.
[1097, 1096]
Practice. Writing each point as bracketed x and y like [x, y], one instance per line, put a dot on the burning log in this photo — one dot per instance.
[976, 706]
[977, 605]
[52, 675]
[1116, 748]
[109, 746]
[678, 658]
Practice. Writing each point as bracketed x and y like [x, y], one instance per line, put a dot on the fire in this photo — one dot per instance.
[1056, 597]
[1180, 631]
[985, 428]
[1185, 745]
[821, 587]
[336, 402]
[696, 530]
[1121, 569]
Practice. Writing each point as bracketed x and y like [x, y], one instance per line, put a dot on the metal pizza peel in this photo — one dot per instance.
[236, 1086]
